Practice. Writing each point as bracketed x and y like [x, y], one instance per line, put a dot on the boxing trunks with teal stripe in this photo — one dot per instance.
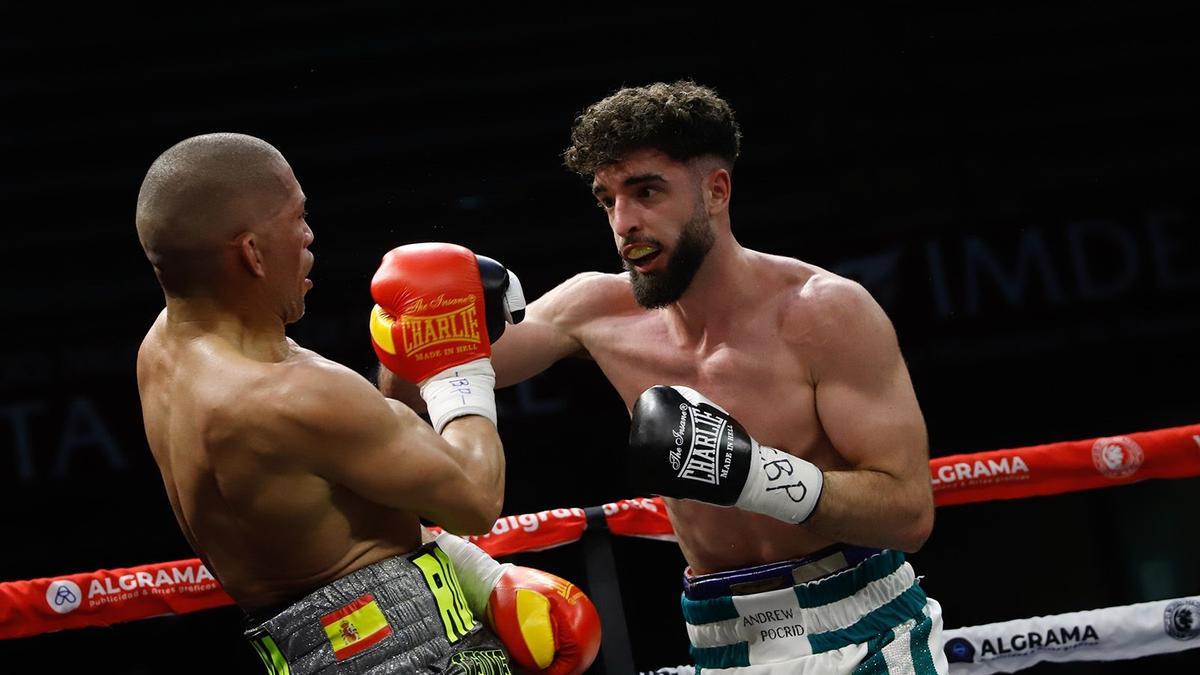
[844, 609]
[404, 614]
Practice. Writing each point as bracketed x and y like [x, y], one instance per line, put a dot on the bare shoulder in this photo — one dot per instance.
[149, 345]
[586, 297]
[829, 293]
[309, 402]
[818, 307]
[152, 333]
[317, 386]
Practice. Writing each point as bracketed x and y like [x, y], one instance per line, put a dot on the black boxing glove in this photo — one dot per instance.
[685, 446]
[503, 299]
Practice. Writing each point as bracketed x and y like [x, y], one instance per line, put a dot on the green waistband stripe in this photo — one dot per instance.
[876, 662]
[874, 628]
[848, 583]
[697, 612]
[907, 605]
[919, 643]
[832, 589]
[271, 657]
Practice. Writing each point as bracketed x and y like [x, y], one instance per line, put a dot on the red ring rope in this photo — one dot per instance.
[105, 597]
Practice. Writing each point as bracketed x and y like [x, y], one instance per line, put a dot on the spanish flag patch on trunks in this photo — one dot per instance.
[355, 627]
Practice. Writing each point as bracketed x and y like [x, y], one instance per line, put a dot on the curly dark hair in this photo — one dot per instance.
[683, 120]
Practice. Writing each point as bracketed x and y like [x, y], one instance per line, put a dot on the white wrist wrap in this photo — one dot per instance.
[467, 389]
[781, 485]
[477, 571]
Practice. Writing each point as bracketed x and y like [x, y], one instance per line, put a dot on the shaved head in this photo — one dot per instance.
[200, 195]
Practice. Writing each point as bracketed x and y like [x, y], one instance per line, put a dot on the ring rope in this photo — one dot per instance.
[106, 597]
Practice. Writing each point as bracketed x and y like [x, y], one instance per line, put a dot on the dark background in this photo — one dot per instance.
[1017, 187]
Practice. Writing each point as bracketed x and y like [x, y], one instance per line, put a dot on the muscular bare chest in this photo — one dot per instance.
[764, 383]
[751, 373]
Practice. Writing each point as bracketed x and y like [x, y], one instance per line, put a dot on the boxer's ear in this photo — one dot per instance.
[250, 254]
[721, 186]
[715, 188]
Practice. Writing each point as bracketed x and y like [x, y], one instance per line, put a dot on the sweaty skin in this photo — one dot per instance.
[252, 454]
[284, 470]
[804, 359]
[764, 376]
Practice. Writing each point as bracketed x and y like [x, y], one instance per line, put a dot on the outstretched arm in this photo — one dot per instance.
[539, 341]
[543, 338]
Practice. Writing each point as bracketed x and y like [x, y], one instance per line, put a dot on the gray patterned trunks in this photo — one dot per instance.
[405, 614]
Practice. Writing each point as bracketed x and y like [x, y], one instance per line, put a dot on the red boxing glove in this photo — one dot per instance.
[429, 314]
[547, 624]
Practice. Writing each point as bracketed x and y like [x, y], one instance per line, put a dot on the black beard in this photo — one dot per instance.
[653, 291]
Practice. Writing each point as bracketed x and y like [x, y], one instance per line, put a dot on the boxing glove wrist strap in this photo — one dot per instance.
[687, 447]
[477, 571]
[466, 389]
[780, 485]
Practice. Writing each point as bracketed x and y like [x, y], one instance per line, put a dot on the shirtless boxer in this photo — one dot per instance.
[299, 485]
[806, 362]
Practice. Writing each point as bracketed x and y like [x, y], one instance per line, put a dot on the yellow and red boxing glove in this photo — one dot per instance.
[438, 309]
[547, 624]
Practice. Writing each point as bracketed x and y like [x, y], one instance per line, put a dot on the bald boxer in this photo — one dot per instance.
[297, 483]
[769, 402]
